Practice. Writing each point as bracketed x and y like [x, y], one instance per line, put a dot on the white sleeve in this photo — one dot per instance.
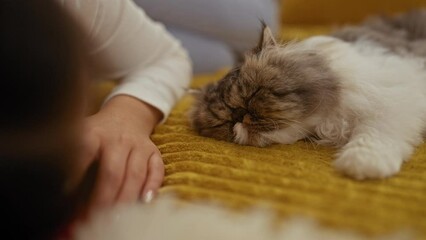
[129, 45]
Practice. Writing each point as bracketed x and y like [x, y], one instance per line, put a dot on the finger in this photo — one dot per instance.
[110, 176]
[136, 172]
[155, 176]
[89, 153]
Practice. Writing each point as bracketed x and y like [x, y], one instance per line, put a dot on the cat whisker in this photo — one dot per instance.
[312, 142]
[306, 133]
[291, 120]
[301, 130]
[276, 125]
[298, 124]
[318, 105]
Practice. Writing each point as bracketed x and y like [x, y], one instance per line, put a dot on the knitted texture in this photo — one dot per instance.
[291, 179]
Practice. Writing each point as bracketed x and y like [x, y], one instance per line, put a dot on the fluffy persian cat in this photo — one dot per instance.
[362, 89]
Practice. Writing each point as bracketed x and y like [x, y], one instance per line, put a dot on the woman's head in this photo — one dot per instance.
[43, 60]
[44, 67]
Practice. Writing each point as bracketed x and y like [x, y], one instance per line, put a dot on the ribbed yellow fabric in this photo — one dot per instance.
[291, 179]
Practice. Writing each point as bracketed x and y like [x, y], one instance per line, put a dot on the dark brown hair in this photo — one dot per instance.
[42, 56]
[43, 60]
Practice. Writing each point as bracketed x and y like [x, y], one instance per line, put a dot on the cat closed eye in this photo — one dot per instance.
[281, 93]
[286, 93]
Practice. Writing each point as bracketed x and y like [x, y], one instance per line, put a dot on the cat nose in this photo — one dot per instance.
[238, 114]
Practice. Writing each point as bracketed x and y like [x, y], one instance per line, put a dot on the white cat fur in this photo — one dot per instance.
[382, 111]
[164, 220]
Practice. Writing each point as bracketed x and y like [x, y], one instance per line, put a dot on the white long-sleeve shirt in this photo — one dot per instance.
[129, 45]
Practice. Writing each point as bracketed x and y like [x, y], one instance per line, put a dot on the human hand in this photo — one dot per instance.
[130, 165]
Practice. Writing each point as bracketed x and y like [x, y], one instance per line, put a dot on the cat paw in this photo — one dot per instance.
[363, 164]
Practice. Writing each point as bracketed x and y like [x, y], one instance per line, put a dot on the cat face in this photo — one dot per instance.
[274, 88]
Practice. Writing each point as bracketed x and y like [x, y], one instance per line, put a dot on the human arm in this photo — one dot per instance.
[155, 71]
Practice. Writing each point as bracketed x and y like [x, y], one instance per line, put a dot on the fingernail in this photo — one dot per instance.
[147, 198]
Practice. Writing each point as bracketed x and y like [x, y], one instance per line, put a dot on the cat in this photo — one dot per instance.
[361, 89]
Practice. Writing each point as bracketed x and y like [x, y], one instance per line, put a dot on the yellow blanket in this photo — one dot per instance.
[294, 179]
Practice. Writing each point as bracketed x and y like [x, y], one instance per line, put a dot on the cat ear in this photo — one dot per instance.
[266, 39]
